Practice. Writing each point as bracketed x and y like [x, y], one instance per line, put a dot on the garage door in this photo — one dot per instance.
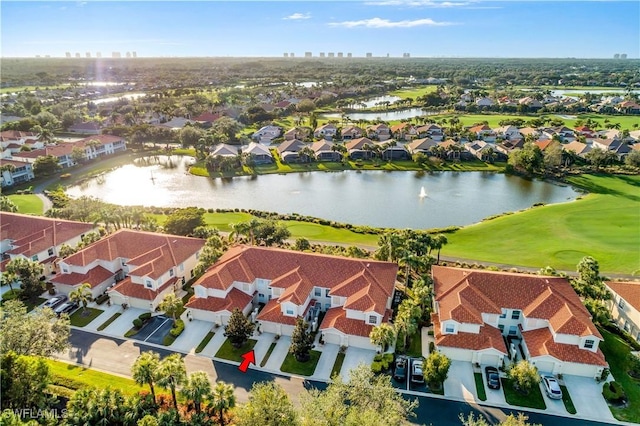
[545, 366]
[332, 338]
[490, 359]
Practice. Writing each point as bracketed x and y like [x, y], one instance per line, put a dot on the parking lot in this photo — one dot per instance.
[154, 330]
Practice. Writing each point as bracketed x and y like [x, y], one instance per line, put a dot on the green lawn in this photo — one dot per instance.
[291, 365]
[228, 351]
[267, 355]
[205, 341]
[74, 377]
[414, 92]
[109, 321]
[482, 392]
[616, 351]
[337, 366]
[415, 345]
[533, 399]
[80, 318]
[626, 121]
[28, 204]
[317, 232]
[603, 224]
[566, 400]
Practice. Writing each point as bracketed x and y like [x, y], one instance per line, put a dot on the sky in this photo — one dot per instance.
[422, 28]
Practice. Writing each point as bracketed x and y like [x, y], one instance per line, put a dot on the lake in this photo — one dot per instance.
[400, 114]
[374, 198]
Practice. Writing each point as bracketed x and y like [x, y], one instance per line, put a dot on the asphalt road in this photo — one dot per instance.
[117, 355]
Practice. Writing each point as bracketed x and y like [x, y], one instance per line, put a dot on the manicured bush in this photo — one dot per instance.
[137, 323]
[376, 367]
[177, 329]
[145, 317]
[613, 392]
[102, 298]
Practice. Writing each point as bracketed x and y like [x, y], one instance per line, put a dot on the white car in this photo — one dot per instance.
[552, 387]
[416, 370]
[55, 301]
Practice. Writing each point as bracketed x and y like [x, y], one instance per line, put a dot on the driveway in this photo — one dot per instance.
[586, 395]
[154, 330]
[460, 383]
[353, 357]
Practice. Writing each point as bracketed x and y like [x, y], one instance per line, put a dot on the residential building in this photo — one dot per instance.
[225, 150]
[351, 132]
[483, 132]
[290, 151]
[86, 128]
[260, 154]
[354, 294]
[146, 266]
[38, 238]
[404, 131]
[266, 134]
[578, 148]
[625, 306]
[380, 132]
[15, 172]
[359, 149]
[424, 146]
[488, 318]
[392, 150]
[296, 133]
[432, 131]
[327, 131]
[325, 151]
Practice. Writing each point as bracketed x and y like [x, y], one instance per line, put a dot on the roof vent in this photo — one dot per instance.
[368, 264]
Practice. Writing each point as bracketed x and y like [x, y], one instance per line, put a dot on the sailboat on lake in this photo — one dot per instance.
[423, 192]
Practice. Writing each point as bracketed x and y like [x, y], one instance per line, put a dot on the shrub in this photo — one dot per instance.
[145, 317]
[613, 392]
[102, 298]
[177, 329]
[376, 367]
[432, 347]
[65, 175]
[137, 323]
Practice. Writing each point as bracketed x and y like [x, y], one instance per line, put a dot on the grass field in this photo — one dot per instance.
[291, 365]
[626, 121]
[28, 204]
[230, 352]
[533, 399]
[81, 319]
[75, 378]
[414, 93]
[604, 224]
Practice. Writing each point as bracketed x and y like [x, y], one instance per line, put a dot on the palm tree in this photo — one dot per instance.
[197, 388]
[81, 295]
[438, 242]
[144, 370]
[172, 373]
[382, 335]
[222, 401]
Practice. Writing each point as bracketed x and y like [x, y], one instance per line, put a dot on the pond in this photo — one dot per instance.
[399, 114]
[374, 198]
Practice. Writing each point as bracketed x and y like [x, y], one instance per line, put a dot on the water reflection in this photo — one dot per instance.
[375, 198]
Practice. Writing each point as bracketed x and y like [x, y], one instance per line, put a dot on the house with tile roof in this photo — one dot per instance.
[327, 131]
[488, 318]
[225, 150]
[351, 132]
[483, 132]
[259, 153]
[144, 266]
[380, 132]
[266, 134]
[353, 295]
[38, 238]
[15, 172]
[290, 151]
[424, 146]
[325, 151]
[404, 131]
[625, 306]
[432, 131]
[359, 149]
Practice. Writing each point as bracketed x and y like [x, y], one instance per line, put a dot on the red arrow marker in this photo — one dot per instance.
[248, 358]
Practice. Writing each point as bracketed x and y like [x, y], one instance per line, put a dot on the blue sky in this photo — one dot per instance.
[452, 28]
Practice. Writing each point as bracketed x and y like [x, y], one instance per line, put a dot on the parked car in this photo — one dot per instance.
[416, 371]
[66, 308]
[55, 301]
[400, 368]
[552, 387]
[493, 377]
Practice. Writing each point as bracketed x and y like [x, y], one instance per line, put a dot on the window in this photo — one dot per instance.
[327, 306]
[65, 269]
[289, 311]
[503, 314]
[513, 330]
[50, 252]
[621, 304]
[317, 292]
[515, 315]
[260, 296]
[627, 327]
[326, 293]
[501, 327]
[34, 257]
[171, 272]
[449, 328]
[182, 267]
[588, 344]
[148, 284]
[373, 319]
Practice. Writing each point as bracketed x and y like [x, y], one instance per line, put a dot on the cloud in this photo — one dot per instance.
[297, 16]
[385, 23]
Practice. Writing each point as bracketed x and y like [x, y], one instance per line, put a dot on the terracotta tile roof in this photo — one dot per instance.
[147, 253]
[4, 162]
[207, 117]
[15, 135]
[463, 294]
[139, 291]
[358, 143]
[540, 342]
[235, 299]
[488, 337]
[94, 277]
[31, 235]
[293, 145]
[629, 291]
[543, 144]
[272, 313]
[321, 146]
[480, 128]
[337, 318]
[422, 144]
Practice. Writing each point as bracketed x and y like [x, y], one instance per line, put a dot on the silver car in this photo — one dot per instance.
[55, 301]
[552, 387]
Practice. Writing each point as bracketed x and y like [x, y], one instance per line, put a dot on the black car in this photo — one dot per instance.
[400, 368]
[66, 308]
[493, 377]
[55, 301]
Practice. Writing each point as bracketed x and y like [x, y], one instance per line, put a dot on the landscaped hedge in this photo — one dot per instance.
[381, 362]
[613, 392]
[102, 298]
[178, 328]
[137, 323]
[145, 317]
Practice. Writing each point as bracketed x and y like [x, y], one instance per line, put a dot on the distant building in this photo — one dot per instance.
[322, 54]
[616, 56]
[285, 54]
[77, 54]
[369, 55]
[88, 54]
[292, 55]
[406, 55]
[67, 54]
[308, 54]
[134, 54]
[331, 55]
[128, 54]
[349, 55]
[623, 56]
[340, 55]
[116, 55]
[98, 54]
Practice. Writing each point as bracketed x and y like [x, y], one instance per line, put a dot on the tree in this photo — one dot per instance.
[510, 420]
[6, 205]
[271, 233]
[598, 157]
[96, 407]
[145, 369]
[28, 273]
[41, 333]
[301, 341]
[172, 373]
[269, 405]
[524, 376]
[633, 158]
[78, 155]
[225, 129]
[210, 253]
[148, 420]
[436, 368]
[529, 159]
[65, 251]
[239, 328]
[45, 165]
[382, 335]
[81, 295]
[171, 305]
[222, 401]
[302, 244]
[196, 389]
[25, 380]
[365, 399]
[184, 221]
[589, 283]
[552, 156]
[190, 135]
